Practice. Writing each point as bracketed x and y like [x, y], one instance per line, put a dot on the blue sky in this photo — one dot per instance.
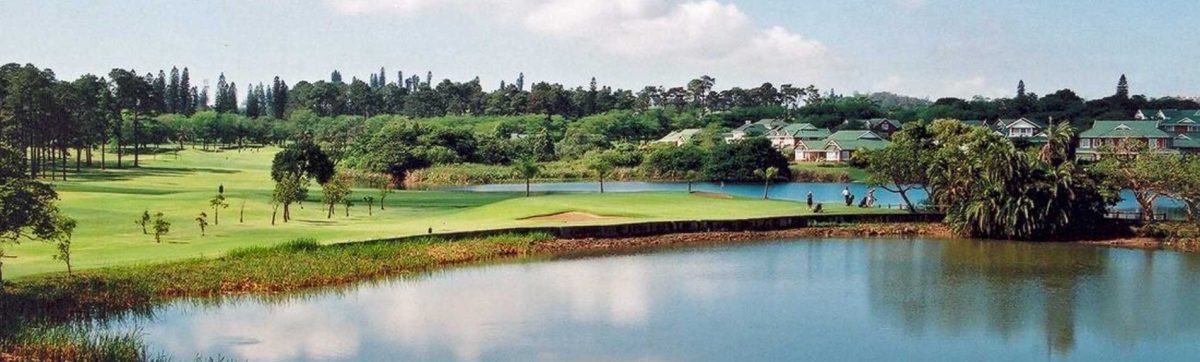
[924, 48]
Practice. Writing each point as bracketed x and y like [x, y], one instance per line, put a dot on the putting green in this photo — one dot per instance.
[107, 204]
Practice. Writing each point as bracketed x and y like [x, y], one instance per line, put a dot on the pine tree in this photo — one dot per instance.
[429, 79]
[521, 81]
[382, 77]
[231, 99]
[201, 101]
[172, 94]
[1123, 88]
[336, 77]
[158, 91]
[221, 95]
[251, 103]
[279, 98]
[1021, 90]
[187, 94]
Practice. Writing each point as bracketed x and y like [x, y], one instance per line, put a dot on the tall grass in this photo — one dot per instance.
[74, 343]
[299, 264]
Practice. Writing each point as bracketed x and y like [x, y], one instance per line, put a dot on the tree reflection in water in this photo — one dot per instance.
[1009, 288]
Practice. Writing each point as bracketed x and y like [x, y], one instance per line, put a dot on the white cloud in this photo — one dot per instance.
[705, 33]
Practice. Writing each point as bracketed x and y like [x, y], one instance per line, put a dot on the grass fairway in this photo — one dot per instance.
[106, 204]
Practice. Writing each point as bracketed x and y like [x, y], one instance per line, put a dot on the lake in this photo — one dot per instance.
[795, 191]
[811, 299]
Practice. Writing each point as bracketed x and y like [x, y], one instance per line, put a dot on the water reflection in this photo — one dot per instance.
[813, 299]
[795, 191]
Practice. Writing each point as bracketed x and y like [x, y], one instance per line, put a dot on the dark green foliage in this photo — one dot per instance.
[737, 161]
[1013, 194]
[675, 162]
[304, 158]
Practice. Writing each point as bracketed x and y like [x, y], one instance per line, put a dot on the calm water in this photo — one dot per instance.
[826, 299]
[796, 191]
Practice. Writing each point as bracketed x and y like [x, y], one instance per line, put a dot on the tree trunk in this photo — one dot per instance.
[330, 214]
[103, 159]
[78, 159]
[216, 215]
[526, 187]
[904, 196]
[137, 139]
[766, 188]
[601, 184]
[1146, 201]
[242, 214]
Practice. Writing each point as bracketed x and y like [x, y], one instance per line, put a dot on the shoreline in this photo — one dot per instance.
[297, 266]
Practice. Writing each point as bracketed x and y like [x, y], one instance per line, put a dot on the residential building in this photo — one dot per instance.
[680, 137]
[840, 145]
[1116, 133]
[1173, 121]
[1021, 128]
[753, 129]
[1187, 143]
[882, 126]
[797, 135]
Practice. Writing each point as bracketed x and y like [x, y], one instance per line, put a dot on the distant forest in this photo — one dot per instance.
[44, 116]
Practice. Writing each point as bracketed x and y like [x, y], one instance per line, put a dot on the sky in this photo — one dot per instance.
[923, 48]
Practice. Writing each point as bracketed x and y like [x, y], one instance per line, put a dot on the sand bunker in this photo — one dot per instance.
[711, 195]
[570, 216]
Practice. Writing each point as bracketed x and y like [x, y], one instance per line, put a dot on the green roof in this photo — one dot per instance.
[804, 130]
[683, 135]
[856, 140]
[1124, 129]
[1184, 120]
[1187, 140]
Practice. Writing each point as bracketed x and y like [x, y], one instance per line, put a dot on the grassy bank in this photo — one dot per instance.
[33, 310]
[561, 171]
[106, 204]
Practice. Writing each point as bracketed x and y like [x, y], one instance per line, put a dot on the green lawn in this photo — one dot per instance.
[856, 174]
[106, 204]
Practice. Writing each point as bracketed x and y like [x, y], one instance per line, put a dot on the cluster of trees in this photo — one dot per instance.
[1152, 175]
[1010, 193]
[1031, 193]
[29, 210]
[1063, 104]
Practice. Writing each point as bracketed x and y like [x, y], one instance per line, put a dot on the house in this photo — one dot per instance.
[1173, 121]
[882, 126]
[1161, 114]
[680, 137]
[754, 129]
[1021, 128]
[839, 146]
[1187, 124]
[797, 135]
[1118, 132]
[1187, 143]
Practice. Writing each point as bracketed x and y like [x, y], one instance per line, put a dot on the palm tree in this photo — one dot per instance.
[1058, 147]
[527, 168]
[769, 174]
